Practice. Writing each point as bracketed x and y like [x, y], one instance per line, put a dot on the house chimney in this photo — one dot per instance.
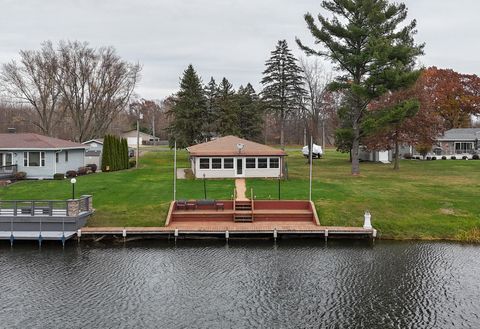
[11, 130]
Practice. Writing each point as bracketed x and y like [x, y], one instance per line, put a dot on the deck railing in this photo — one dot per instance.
[46, 208]
[8, 171]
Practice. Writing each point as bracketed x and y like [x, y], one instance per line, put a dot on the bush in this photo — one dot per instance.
[59, 176]
[475, 157]
[82, 171]
[444, 158]
[429, 158]
[418, 158]
[132, 163]
[71, 174]
[407, 156]
[434, 158]
[453, 157]
[464, 157]
[20, 175]
[92, 167]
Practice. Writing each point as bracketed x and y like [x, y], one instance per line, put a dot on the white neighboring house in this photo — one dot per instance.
[375, 156]
[40, 156]
[144, 138]
[93, 152]
[234, 157]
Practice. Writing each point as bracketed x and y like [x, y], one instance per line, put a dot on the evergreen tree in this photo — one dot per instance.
[250, 116]
[125, 153]
[211, 115]
[106, 153]
[188, 112]
[374, 51]
[228, 109]
[283, 84]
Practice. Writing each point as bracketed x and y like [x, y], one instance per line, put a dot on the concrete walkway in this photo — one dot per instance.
[241, 189]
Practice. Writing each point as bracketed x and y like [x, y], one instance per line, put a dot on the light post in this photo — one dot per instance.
[73, 181]
[204, 188]
[140, 117]
[279, 178]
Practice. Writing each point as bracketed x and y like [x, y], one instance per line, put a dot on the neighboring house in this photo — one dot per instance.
[375, 156]
[144, 139]
[234, 157]
[93, 153]
[40, 156]
[464, 141]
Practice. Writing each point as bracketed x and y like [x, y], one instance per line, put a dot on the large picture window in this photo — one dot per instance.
[204, 163]
[262, 163]
[34, 159]
[250, 163]
[216, 163]
[274, 162]
[461, 148]
[228, 163]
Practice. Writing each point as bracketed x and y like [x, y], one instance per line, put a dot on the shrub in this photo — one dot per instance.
[444, 158]
[92, 167]
[453, 157]
[434, 158]
[20, 175]
[429, 158]
[132, 163]
[71, 174]
[475, 157]
[82, 171]
[407, 156]
[59, 176]
[418, 158]
[464, 157]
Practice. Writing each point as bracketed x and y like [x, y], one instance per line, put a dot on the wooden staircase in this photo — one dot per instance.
[243, 211]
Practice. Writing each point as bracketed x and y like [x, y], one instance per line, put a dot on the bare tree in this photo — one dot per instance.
[32, 80]
[318, 103]
[96, 86]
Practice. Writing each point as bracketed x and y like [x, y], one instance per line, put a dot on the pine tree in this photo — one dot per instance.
[283, 84]
[373, 50]
[228, 109]
[250, 116]
[125, 153]
[188, 112]
[211, 115]
[106, 153]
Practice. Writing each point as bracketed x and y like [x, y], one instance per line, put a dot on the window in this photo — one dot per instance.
[204, 163]
[56, 157]
[461, 148]
[262, 163]
[5, 159]
[216, 163]
[250, 163]
[34, 159]
[274, 163]
[228, 163]
[66, 156]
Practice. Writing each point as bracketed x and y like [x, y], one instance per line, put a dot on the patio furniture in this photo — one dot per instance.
[181, 204]
[191, 205]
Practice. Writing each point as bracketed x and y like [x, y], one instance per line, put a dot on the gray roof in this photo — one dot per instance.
[462, 134]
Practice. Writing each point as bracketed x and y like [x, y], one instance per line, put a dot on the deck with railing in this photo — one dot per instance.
[8, 171]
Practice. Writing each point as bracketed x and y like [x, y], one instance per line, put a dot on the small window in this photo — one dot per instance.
[250, 163]
[42, 158]
[262, 163]
[25, 159]
[66, 156]
[228, 163]
[204, 163]
[274, 163]
[216, 163]
[56, 157]
[34, 159]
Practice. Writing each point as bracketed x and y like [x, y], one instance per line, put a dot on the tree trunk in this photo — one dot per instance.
[396, 165]
[356, 149]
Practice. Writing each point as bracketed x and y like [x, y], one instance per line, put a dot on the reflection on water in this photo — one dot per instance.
[248, 284]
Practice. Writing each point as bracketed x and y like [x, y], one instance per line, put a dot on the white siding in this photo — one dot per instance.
[231, 173]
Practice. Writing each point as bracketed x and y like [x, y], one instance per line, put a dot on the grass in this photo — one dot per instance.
[424, 200]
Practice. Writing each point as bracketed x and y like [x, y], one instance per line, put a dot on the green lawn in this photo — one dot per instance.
[425, 199]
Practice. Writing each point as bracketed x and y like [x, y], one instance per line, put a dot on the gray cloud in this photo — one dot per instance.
[231, 38]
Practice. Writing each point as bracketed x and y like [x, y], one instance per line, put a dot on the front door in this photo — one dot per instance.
[239, 169]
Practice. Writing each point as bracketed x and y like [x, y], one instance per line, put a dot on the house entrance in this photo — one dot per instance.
[239, 169]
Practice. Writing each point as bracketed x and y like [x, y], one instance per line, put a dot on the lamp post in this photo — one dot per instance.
[204, 187]
[279, 178]
[73, 181]
[140, 117]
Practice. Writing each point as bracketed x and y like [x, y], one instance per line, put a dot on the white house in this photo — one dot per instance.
[234, 157]
[40, 156]
[143, 139]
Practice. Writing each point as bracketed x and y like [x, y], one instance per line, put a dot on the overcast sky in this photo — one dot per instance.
[230, 38]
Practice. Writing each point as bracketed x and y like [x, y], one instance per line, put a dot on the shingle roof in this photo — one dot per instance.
[227, 146]
[468, 134]
[35, 141]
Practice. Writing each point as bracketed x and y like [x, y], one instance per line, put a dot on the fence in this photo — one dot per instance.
[46, 208]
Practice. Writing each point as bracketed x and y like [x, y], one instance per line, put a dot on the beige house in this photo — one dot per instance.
[234, 157]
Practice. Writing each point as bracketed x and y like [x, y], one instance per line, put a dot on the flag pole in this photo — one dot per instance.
[311, 165]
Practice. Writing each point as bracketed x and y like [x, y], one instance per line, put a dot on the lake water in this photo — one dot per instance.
[245, 284]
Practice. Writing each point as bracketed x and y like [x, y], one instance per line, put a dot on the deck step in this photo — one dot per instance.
[244, 218]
